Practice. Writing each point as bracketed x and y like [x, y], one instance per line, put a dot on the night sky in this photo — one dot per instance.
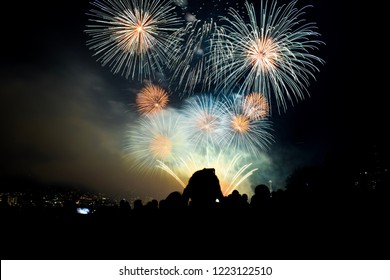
[64, 116]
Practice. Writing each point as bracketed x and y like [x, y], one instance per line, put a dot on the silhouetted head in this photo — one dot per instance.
[174, 200]
[236, 193]
[174, 196]
[262, 190]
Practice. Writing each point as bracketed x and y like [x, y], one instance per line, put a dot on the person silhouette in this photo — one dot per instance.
[261, 200]
[203, 189]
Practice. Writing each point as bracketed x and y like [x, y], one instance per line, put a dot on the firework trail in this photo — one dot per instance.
[230, 170]
[131, 36]
[189, 58]
[271, 57]
[151, 99]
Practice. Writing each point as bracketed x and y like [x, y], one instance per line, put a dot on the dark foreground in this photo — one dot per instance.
[317, 228]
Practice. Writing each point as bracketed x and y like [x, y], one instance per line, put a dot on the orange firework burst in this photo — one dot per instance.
[240, 123]
[255, 106]
[151, 100]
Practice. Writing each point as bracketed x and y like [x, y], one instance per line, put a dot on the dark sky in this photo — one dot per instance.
[64, 115]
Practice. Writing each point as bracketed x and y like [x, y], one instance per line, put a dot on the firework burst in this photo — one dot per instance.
[132, 36]
[264, 59]
[151, 99]
[240, 131]
[202, 116]
[269, 54]
[156, 137]
[255, 106]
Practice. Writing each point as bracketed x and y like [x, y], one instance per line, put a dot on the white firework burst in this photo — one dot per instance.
[269, 53]
[132, 36]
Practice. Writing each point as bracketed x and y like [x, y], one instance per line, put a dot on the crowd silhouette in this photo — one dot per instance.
[308, 220]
